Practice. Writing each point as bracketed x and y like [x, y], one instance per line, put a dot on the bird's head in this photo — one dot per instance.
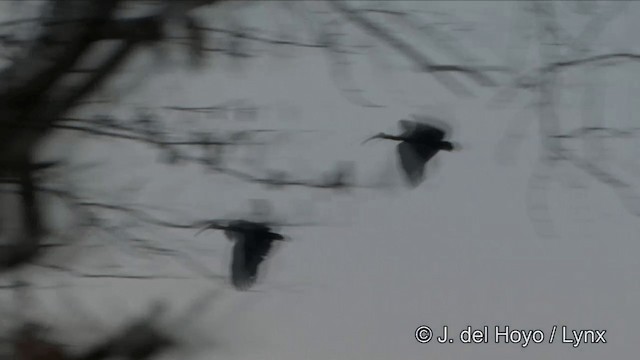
[377, 136]
[450, 146]
[278, 237]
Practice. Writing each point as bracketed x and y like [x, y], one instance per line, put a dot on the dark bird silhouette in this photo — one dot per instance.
[253, 242]
[419, 142]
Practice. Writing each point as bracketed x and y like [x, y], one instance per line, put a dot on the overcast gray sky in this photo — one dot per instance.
[459, 250]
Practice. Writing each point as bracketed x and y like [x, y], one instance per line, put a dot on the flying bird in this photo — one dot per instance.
[253, 242]
[419, 142]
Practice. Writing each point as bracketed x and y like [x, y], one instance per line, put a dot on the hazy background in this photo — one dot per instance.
[459, 250]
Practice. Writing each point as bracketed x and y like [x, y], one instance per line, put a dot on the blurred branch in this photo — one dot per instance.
[27, 245]
[246, 35]
[340, 66]
[60, 46]
[441, 39]
[609, 132]
[26, 94]
[151, 334]
[124, 132]
[80, 274]
[546, 83]
[422, 61]
[590, 60]
[140, 215]
[140, 339]
[148, 28]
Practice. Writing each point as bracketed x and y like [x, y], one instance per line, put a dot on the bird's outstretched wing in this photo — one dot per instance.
[241, 276]
[406, 126]
[413, 161]
[436, 128]
[427, 131]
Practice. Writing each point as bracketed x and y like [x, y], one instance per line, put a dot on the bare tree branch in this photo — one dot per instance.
[421, 60]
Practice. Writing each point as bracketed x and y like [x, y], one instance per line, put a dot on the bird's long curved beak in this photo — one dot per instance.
[371, 138]
[210, 226]
[203, 230]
